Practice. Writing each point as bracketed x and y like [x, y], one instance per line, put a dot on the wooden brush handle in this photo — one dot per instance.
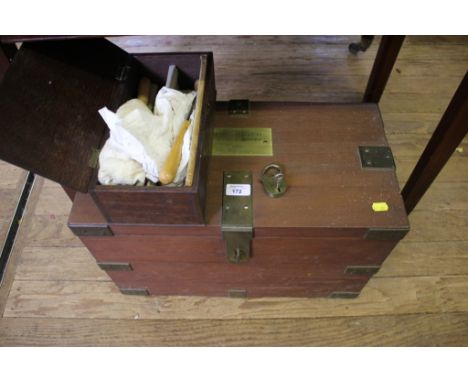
[144, 87]
[171, 165]
[192, 163]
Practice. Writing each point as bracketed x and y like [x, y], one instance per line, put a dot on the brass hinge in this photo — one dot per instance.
[237, 215]
[122, 71]
[135, 291]
[376, 157]
[91, 230]
[238, 107]
[365, 270]
[343, 295]
[237, 293]
[93, 158]
[114, 266]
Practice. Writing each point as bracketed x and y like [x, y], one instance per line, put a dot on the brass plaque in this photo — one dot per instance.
[243, 141]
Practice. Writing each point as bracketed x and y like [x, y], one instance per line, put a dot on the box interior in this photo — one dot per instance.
[155, 67]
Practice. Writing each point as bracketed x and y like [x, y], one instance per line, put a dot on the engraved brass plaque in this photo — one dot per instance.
[242, 142]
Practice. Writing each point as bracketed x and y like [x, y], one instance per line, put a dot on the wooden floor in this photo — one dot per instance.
[54, 294]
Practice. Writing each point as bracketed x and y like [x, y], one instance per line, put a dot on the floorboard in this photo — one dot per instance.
[446, 329]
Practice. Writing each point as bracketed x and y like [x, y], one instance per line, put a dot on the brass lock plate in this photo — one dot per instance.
[237, 215]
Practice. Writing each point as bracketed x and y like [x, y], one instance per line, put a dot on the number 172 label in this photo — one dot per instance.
[238, 189]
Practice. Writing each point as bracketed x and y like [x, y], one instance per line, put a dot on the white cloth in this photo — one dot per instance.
[117, 167]
[145, 138]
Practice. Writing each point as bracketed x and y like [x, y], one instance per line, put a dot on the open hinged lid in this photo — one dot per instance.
[49, 102]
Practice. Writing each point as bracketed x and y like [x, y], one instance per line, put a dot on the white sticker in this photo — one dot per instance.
[237, 189]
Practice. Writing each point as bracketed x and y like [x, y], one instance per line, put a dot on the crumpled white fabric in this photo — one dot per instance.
[140, 141]
[117, 167]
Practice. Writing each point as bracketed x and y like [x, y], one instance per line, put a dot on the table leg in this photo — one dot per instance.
[362, 45]
[384, 60]
[449, 133]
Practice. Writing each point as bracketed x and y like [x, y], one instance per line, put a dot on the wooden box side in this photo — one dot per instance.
[182, 262]
[161, 204]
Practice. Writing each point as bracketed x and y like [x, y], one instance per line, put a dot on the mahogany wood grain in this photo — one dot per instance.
[265, 250]
[322, 168]
[327, 186]
[85, 211]
[302, 242]
[181, 280]
[144, 205]
[236, 275]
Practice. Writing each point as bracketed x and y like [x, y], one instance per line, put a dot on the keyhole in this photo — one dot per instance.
[237, 255]
[279, 179]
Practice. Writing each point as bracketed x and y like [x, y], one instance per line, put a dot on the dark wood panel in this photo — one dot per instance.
[24, 38]
[186, 281]
[85, 211]
[265, 251]
[156, 205]
[214, 230]
[7, 52]
[48, 122]
[235, 275]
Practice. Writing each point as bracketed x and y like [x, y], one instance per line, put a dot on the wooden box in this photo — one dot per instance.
[324, 237]
[49, 121]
